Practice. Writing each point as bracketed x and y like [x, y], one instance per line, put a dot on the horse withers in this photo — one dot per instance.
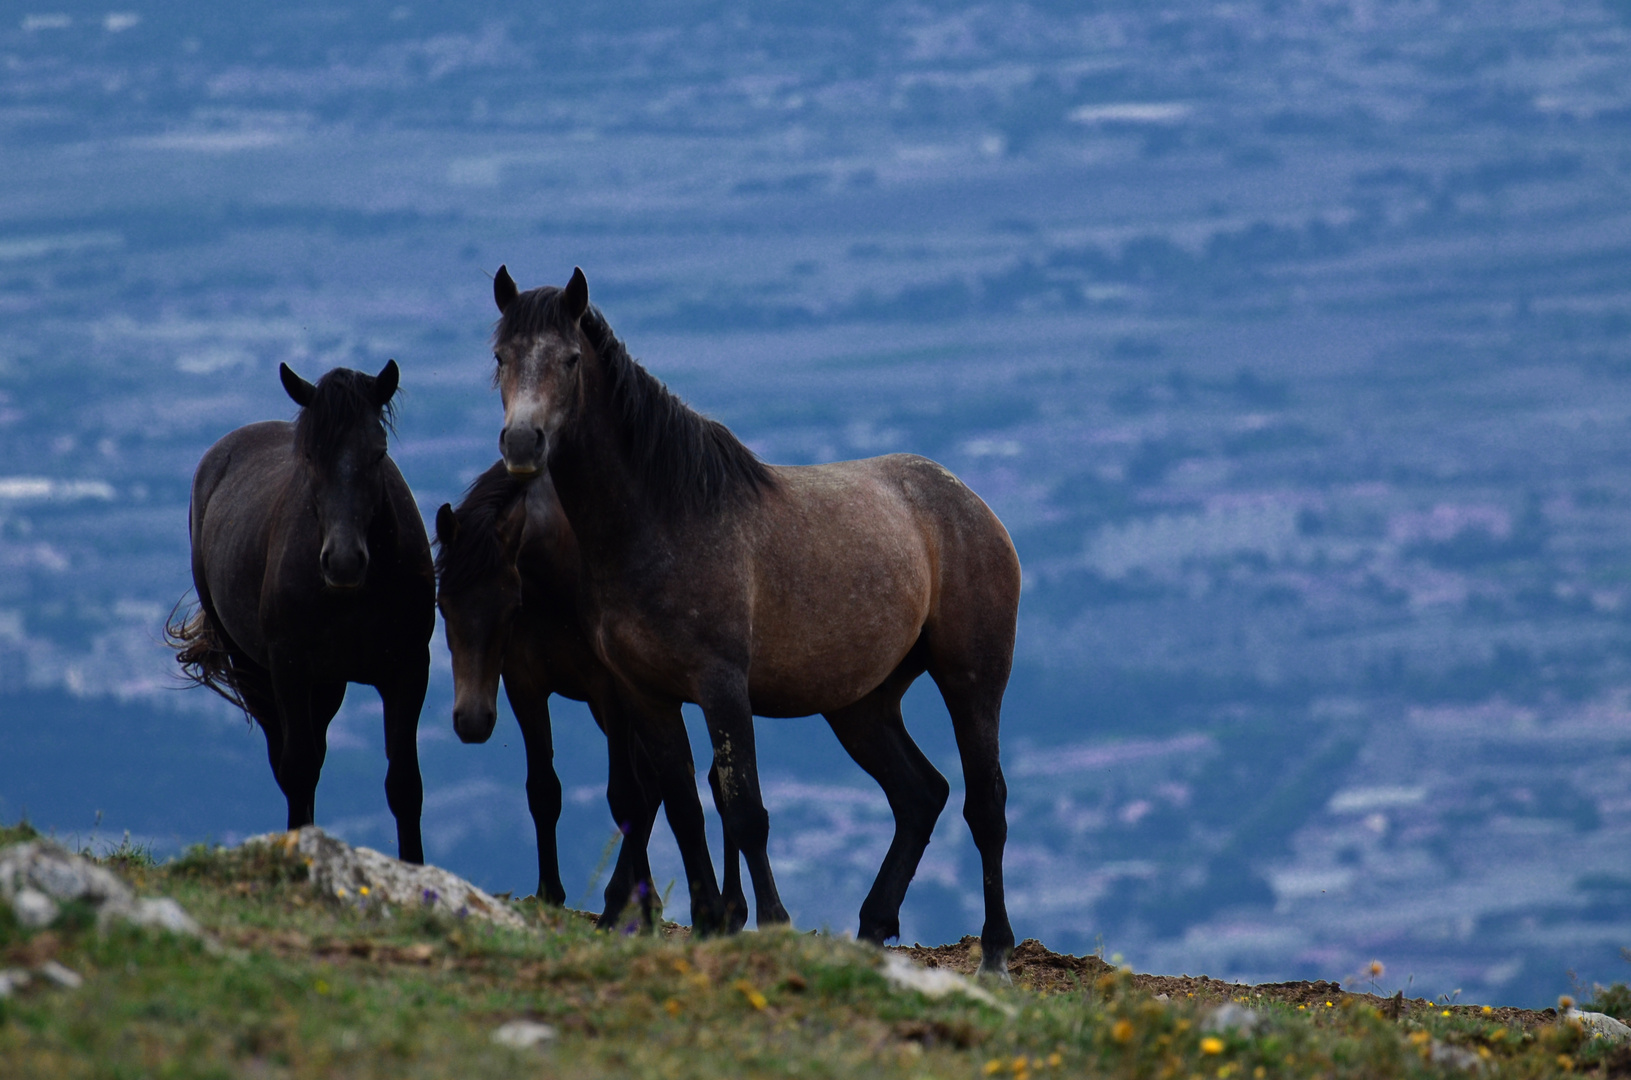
[313, 570]
[778, 591]
[511, 591]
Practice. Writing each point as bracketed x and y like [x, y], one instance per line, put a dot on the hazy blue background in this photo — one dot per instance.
[1292, 341]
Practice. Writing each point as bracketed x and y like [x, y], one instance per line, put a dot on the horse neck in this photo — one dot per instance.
[593, 478]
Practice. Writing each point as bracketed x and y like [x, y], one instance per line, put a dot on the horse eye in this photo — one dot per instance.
[572, 359]
[499, 360]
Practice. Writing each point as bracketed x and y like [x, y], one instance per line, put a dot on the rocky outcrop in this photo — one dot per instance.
[365, 876]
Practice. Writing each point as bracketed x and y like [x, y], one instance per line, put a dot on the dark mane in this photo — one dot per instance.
[686, 463]
[476, 552]
[344, 400]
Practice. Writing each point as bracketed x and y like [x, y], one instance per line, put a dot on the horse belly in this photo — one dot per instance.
[827, 639]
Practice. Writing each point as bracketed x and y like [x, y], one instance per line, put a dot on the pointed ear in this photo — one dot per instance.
[447, 526]
[504, 290]
[385, 383]
[575, 297]
[297, 388]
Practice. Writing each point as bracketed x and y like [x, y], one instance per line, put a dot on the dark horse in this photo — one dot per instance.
[312, 570]
[779, 591]
[511, 590]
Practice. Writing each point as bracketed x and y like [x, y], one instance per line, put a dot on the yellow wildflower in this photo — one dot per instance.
[1376, 969]
[992, 1067]
[1211, 1045]
[756, 999]
[1055, 1059]
[363, 889]
[1122, 1030]
[1488, 1010]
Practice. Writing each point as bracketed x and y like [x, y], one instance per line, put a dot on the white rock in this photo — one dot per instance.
[164, 913]
[343, 871]
[1453, 1057]
[12, 979]
[1231, 1016]
[33, 908]
[1600, 1024]
[901, 973]
[61, 974]
[523, 1034]
[37, 877]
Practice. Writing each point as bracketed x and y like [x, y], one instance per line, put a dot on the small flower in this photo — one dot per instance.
[363, 889]
[992, 1067]
[1055, 1060]
[1488, 1011]
[1328, 1005]
[745, 988]
[1446, 1012]
[1211, 1045]
[672, 1006]
[1122, 1030]
[1565, 1003]
[1376, 969]
[340, 892]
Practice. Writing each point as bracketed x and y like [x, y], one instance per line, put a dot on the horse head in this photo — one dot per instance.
[538, 345]
[479, 594]
[340, 439]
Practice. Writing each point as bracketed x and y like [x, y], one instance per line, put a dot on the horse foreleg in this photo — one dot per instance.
[736, 777]
[632, 793]
[300, 746]
[531, 707]
[872, 731]
[662, 733]
[736, 901]
[404, 788]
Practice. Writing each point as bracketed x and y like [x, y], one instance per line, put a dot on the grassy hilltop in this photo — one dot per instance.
[295, 984]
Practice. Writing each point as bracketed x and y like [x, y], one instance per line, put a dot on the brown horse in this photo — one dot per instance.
[781, 591]
[312, 570]
[511, 590]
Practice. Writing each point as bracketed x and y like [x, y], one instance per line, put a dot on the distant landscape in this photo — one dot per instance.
[1291, 341]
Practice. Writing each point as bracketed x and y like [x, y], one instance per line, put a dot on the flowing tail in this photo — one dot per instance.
[204, 660]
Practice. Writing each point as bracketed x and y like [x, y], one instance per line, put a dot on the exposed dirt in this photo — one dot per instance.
[1035, 966]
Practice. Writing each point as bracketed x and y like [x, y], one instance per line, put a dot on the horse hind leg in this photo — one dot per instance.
[873, 733]
[971, 682]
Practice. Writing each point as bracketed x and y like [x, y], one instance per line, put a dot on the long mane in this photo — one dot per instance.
[476, 551]
[344, 399]
[686, 463]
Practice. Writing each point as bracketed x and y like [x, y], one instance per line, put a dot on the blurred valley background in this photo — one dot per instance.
[1290, 338]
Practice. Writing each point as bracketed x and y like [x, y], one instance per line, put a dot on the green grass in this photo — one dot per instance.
[296, 985]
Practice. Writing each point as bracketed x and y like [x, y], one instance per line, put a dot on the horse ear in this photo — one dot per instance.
[447, 526]
[385, 383]
[297, 388]
[504, 290]
[575, 297]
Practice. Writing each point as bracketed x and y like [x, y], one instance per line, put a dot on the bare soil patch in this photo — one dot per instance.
[1038, 968]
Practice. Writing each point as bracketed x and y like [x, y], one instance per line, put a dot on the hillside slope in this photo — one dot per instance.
[290, 982]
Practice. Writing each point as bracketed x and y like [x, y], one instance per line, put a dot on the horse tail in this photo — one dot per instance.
[205, 661]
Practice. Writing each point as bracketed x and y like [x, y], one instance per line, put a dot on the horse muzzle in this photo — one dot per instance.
[474, 724]
[525, 448]
[344, 566]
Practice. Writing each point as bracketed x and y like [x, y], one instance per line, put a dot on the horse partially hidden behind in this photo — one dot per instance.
[781, 591]
[512, 594]
[313, 570]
